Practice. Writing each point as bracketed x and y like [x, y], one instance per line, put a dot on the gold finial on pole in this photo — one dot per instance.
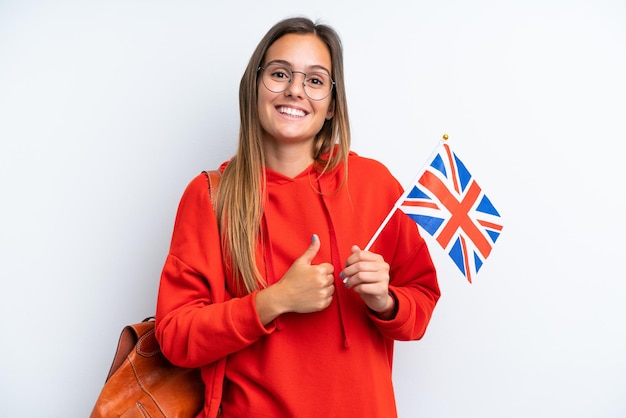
[445, 137]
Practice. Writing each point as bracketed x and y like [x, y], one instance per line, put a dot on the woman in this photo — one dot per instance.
[268, 290]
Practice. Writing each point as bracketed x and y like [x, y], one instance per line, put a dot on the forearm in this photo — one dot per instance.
[391, 308]
[268, 306]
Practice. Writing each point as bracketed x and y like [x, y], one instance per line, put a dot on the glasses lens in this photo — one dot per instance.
[318, 85]
[277, 77]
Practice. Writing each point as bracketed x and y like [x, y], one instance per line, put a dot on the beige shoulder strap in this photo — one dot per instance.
[213, 177]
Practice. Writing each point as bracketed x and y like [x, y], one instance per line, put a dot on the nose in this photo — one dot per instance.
[295, 87]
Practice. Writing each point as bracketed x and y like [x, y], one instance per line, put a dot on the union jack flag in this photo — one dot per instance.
[446, 202]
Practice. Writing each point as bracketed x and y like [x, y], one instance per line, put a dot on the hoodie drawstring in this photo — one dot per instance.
[340, 287]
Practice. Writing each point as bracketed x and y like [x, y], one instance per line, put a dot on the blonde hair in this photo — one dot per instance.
[240, 196]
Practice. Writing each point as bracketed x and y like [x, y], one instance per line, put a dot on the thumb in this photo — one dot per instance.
[311, 252]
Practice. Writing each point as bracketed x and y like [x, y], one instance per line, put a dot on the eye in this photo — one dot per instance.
[279, 73]
[317, 80]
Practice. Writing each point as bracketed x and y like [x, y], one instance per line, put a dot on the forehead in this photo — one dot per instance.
[301, 51]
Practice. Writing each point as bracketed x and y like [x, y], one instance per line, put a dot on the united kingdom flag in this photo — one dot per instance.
[446, 202]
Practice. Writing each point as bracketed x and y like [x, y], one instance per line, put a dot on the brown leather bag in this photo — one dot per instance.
[143, 383]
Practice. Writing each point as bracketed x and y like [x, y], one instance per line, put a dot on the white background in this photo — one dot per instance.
[109, 108]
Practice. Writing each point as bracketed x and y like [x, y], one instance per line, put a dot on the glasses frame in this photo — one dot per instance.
[291, 78]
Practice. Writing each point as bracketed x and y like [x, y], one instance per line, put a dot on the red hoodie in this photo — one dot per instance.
[332, 363]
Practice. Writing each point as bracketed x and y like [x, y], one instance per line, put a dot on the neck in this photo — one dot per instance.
[289, 160]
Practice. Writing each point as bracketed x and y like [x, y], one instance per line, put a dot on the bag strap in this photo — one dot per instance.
[213, 177]
[131, 334]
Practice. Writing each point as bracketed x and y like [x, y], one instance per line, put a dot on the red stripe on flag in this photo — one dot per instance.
[455, 179]
[491, 225]
[421, 204]
[459, 212]
[468, 273]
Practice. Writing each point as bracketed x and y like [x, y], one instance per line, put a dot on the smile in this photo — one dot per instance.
[291, 111]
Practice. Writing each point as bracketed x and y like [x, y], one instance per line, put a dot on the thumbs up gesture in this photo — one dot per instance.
[304, 288]
[308, 287]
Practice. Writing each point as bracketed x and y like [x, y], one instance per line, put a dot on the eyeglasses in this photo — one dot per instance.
[278, 77]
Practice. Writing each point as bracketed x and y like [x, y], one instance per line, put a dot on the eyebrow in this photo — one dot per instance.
[288, 64]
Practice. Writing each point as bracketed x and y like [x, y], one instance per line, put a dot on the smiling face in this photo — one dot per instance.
[290, 116]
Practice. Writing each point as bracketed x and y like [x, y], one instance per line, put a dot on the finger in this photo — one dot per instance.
[359, 255]
[330, 279]
[352, 258]
[310, 253]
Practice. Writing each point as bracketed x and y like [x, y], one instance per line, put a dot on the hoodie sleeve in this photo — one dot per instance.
[413, 280]
[197, 323]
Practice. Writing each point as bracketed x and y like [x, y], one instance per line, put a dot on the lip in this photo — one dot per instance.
[291, 111]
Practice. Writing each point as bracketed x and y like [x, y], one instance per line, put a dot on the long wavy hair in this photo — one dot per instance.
[241, 193]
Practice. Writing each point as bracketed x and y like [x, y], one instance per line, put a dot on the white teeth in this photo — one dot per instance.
[291, 112]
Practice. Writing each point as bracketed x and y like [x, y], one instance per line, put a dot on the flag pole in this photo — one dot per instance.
[402, 197]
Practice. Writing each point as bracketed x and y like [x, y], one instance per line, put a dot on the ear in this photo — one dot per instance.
[331, 110]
